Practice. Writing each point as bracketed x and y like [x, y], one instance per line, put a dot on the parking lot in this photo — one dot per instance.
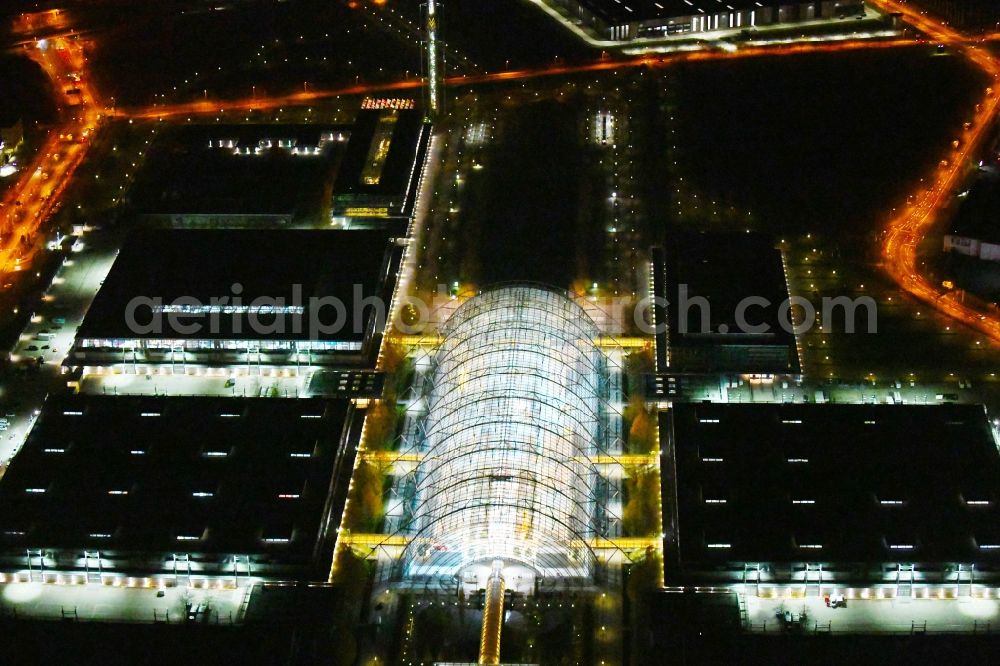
[35, 366]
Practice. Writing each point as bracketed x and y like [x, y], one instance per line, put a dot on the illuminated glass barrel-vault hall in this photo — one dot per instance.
[515, 412]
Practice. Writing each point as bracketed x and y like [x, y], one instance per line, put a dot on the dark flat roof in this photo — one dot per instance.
[623, 11]
[853, 479]
[85, 451]
[88, 643]
[183, 175]
[206, 263]
[723, 269]
[979, 214]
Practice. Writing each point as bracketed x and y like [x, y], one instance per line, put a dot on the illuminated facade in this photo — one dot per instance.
[625, 20]
[516, 409]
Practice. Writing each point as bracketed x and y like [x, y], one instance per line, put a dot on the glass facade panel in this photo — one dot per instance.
[513, 416]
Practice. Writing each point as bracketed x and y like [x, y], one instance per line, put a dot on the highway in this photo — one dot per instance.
[41, 184]
[169, 111]
[907, 230]
[38, 191]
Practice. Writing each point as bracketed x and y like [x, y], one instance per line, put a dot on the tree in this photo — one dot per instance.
[394, 356]
[350, 576]
[367, 508]
[642, 432]
[635, 405]
[638, 363]
[640, 513]
[580, 287]
[380, 426]
[383, 417]
[429, 630]
[350, 573]
[643, 577]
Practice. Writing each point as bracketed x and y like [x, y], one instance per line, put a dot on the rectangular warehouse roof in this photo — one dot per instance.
[181, 474]
[833, 483]
[205, 264]
[980, 208]
[713, 283]
[246, 169]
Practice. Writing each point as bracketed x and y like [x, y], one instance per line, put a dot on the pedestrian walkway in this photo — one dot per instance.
[106, 603]
[908, 615]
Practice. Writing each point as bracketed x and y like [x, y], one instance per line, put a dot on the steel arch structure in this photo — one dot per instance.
[516, 410]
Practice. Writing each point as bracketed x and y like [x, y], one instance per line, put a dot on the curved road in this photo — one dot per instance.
[908, 229]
